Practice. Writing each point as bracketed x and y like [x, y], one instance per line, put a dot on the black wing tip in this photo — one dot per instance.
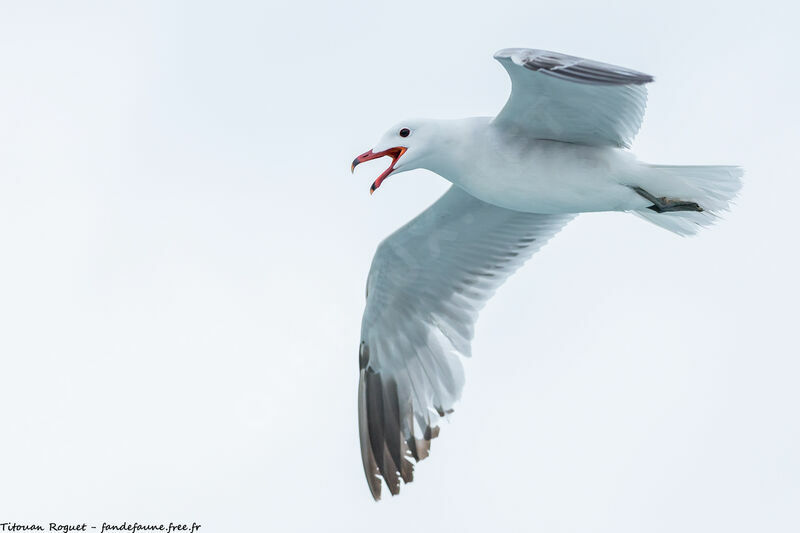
[386, 454]
[418, 450]
[374, 483]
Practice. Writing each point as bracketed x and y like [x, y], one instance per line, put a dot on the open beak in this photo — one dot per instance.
[394, 153]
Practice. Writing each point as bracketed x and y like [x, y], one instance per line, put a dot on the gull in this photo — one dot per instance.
[557, 148]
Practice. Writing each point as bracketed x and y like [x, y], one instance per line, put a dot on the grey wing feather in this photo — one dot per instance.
[567, 98]
[578, 69]
[427, 282]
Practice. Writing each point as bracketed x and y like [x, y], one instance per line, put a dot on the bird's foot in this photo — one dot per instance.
[664, 204]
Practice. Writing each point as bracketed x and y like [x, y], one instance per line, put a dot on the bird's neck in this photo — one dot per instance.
[456, 145]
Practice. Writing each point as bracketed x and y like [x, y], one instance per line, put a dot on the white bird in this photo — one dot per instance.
[555, 149]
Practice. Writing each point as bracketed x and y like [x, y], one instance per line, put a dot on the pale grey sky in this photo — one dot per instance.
[184, 254]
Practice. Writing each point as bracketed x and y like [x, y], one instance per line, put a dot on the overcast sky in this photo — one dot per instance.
[184, 254]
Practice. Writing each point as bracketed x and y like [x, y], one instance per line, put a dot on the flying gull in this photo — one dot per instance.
[556, 149]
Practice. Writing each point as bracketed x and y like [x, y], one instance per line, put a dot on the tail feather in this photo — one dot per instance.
[713, 187]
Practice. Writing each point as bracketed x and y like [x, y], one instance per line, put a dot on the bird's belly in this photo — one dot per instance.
[557, 194]
[551, 180]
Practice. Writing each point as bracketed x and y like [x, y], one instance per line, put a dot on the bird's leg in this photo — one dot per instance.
[663, 204]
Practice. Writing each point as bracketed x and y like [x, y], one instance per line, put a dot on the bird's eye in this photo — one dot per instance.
[405, 132]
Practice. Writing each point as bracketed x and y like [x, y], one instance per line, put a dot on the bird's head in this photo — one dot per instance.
[408, 143]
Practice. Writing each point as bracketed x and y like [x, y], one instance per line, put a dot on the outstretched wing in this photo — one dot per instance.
[427, 282]
[567, 98]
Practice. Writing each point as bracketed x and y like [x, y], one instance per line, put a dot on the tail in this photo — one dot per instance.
[712, 187]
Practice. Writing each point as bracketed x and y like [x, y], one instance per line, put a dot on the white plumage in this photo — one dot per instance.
[555, 149]
[603, 104]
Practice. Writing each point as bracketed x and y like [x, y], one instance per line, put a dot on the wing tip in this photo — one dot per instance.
[382, 463]
[552, 64]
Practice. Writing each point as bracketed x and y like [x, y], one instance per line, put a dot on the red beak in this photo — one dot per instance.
[394, 153]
